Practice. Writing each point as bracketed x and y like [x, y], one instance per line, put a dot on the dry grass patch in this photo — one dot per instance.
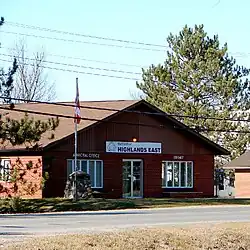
[225, 236]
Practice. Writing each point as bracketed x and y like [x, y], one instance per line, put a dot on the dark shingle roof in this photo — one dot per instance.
[66, 125]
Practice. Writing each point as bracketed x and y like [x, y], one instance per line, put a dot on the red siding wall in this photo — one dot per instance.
[152, 171]
[174, 142]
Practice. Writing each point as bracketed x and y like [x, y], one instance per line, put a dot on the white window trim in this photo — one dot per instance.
[88, 168]
[2, 162]
[165, 173]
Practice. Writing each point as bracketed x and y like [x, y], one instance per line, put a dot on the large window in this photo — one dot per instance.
[92, 167]
[177, 174]
[4, 170]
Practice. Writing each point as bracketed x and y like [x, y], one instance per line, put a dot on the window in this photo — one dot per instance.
[92, 167]
[4, 170]
[177, 174]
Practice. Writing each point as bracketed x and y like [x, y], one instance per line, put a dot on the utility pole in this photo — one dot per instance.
[77, 121]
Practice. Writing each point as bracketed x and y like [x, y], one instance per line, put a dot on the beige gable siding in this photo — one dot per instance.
[242, 185]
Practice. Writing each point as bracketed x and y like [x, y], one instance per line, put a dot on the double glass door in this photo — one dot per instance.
[132, 178]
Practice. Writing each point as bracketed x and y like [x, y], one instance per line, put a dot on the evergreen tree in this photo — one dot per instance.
[26, 131]
[199, 78]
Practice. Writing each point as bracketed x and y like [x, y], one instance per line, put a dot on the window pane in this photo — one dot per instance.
[78, 165]
[183, 174]
[84, 166]
[69, 167]
[163, 174]
[98, 174]
[7, 170]
[92, 172]
[170, 174]
[176, 174]
[189, 174]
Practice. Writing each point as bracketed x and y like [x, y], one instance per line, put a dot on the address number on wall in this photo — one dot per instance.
[178, 157]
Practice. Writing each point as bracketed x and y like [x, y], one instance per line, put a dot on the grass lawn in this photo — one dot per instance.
[221, 236]
[60, 204]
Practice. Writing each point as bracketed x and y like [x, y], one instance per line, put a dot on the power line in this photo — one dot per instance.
[127, 111]
[238, 54]
[115, 110]
[86, 59]
[81, 72]
[80, 41]
[197, 130]
[224, 131]
[76, 65]
[83, 35]
[72, 117]
[97, 61]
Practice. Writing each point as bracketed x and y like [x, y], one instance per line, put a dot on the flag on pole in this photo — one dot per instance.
[77, 106]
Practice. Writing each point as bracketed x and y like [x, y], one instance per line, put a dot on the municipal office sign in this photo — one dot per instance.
[133, 147]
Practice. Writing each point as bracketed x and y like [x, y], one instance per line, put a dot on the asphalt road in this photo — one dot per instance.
[14, 227]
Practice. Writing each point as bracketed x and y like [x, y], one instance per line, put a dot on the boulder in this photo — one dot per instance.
[83, 185]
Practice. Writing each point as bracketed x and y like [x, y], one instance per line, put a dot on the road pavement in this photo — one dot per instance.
[13, 227]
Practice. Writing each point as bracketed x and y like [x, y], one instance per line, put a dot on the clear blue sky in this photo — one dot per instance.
[146, 21]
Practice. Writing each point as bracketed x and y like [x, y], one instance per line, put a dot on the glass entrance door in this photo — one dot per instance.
[132, 178]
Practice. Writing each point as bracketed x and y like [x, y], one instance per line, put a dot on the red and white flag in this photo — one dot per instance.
[77, 106]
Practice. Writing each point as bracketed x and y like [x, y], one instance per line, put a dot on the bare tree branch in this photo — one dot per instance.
[31, 83]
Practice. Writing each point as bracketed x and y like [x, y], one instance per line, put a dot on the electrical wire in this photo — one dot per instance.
[80, 41]
[196, 117]
[96, 61]
[74, 65]
[136, 79]
[80, 72]
[83, 35]
[237, 54]
[196, 129]
[72, 117]
[84, 59]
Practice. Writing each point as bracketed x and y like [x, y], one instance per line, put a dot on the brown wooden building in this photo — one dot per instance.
[127, 150]
[241, 167]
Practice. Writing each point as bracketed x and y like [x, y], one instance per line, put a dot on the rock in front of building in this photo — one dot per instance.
[83, 185]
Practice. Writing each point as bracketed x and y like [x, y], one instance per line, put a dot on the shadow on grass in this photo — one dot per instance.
[61, 204]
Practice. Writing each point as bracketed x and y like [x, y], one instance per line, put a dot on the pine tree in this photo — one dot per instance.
[199, 78]
[26, 131]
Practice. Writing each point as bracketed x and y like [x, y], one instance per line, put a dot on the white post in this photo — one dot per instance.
[76, 150]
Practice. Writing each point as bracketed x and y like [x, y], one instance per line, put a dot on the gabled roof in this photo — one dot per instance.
[242, 162]
[66, 126]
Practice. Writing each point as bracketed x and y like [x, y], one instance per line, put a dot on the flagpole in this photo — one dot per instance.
[76, 148]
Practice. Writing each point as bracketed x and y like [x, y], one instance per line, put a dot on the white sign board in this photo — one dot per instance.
[133, 147]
